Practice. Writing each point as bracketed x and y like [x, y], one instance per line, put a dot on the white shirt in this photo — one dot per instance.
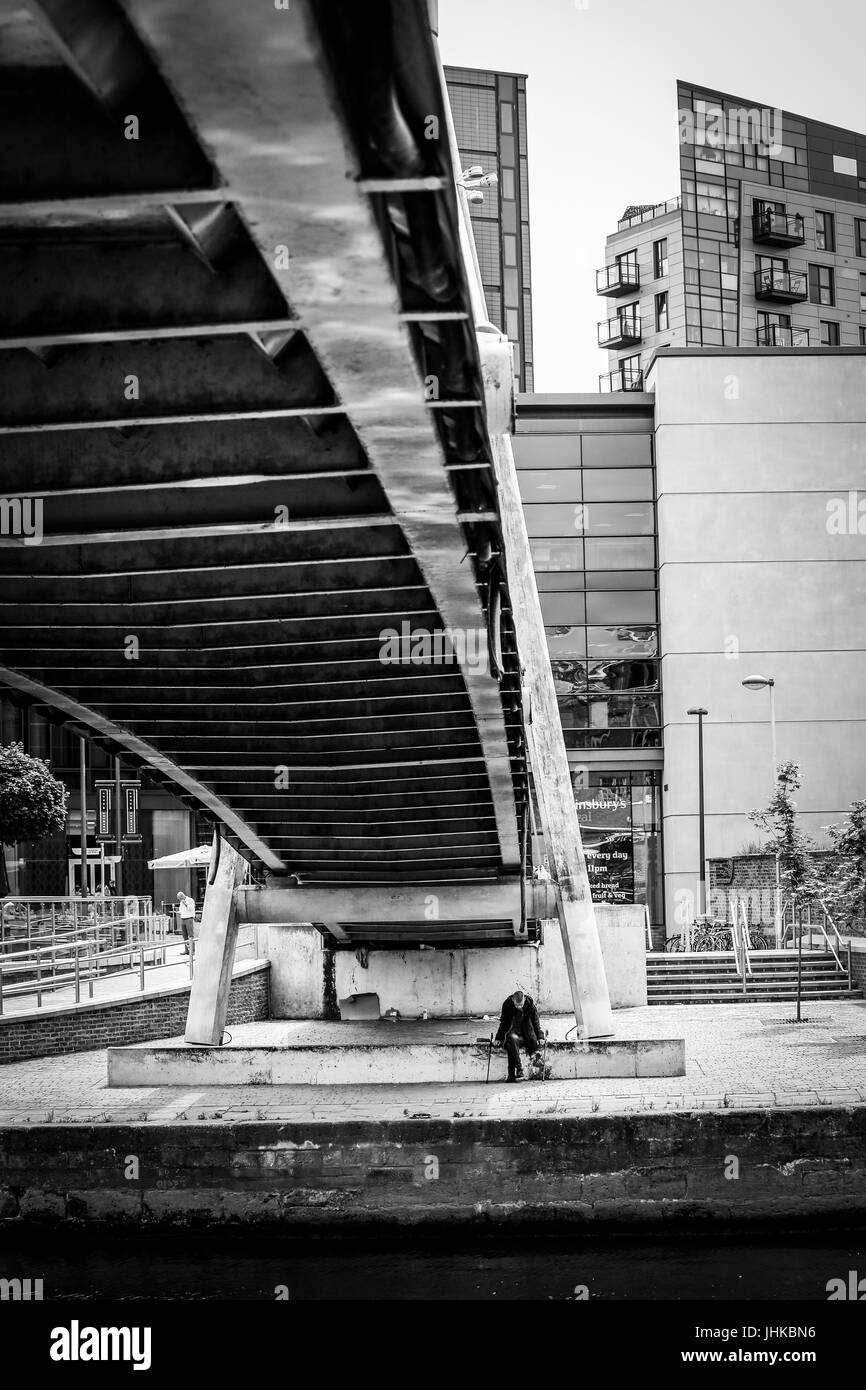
[186, 906]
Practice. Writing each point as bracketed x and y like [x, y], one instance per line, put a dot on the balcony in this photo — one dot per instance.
[623, 379]
[622, 331]
[771, 228]
[616, 279]
[782, 286]
[773, 335]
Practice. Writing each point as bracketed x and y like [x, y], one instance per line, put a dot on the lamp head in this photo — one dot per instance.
[697, 711]
[758, 682]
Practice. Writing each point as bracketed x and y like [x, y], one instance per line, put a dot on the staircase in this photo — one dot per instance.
[711, 978]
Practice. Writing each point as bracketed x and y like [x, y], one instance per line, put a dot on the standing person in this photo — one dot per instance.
[519, 1023]
[186, 913]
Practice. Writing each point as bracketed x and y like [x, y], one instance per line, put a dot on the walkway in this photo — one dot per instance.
[738, 1056]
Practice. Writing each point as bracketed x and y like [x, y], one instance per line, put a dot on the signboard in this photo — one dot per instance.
[131, 831]
[104, 829]
[610, 865]
[129, 792]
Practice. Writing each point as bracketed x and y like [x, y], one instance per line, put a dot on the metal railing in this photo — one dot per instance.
[622, 379]
[35, 918]
[649, 213]
[622, 275]
[775, 335]
[786, 284]
[769, 223]
[79, 964]
[623, 328]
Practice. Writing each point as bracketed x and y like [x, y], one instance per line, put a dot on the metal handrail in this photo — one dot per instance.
[649, 934]
[93, 960]
[747, 950]
[828, 918]
[788, 281]
[734, 934]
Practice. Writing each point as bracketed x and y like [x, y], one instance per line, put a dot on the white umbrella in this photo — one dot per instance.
[196, 858]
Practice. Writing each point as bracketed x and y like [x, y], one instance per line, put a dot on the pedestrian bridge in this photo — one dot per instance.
[260, 535]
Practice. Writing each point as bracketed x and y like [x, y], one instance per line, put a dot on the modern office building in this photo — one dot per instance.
[154, 823]
[585, 466]
[489, 111]
[710, 529]
[765, 244]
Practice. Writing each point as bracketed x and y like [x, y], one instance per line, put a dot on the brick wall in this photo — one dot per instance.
[750, 877]
[542, 1172]
[139, 1019]
[858, 965]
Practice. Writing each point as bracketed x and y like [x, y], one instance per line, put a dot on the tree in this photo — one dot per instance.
[32, 802]
[793, 846]
[845, 874]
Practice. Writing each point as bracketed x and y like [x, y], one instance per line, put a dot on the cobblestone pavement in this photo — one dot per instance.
[738, 1056]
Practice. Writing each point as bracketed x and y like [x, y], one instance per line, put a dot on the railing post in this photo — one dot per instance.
[38, 980]
[77, 975]
[90, 973]
[141, 966]
[1, 982]
[850, 976]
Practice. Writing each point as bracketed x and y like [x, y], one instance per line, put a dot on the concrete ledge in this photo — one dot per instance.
[378, 1063]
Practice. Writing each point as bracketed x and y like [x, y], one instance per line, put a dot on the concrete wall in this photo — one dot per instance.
[338, 1175]
[751, 447]
[452, 983]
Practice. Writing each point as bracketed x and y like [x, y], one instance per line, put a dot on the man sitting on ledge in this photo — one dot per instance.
[518, 1024]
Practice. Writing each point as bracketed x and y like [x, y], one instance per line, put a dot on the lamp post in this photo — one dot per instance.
[755, 683]
[702, 842]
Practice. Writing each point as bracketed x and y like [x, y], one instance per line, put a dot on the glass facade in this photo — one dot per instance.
[726, 143]
[489, 111]
[588, 492]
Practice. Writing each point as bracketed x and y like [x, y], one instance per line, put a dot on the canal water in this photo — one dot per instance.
[248, 1266]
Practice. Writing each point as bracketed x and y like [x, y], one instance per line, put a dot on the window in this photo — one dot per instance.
[829, 333]
[508, 184]
[843, 165]
[860, 234]
[512, 324]
[825, 231]
[822, 288]
[662, 312]
[660, 258]
[618, 450]
[863, 294]
[506, 117]
[631, 371]
[863, 337]
[509, 246]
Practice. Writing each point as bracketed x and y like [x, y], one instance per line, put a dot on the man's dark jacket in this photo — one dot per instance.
[530, 1015]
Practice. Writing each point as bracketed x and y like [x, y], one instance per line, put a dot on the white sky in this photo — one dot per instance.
[601, 115]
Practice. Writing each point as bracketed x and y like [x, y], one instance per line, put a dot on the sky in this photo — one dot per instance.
[601, 116]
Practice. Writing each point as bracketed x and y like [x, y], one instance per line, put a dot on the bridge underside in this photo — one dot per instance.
[239, 378]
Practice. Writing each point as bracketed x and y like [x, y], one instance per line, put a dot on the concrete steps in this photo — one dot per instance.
[712, 978]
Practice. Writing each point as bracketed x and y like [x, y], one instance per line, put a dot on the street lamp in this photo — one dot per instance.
[755, 683]
[701, 828]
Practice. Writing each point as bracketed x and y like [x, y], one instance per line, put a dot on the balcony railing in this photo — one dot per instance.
[774, 335]
[778, 228]
[648, 214]
[784, 286]
[623, 277]
[623, 379]
[622, 331]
